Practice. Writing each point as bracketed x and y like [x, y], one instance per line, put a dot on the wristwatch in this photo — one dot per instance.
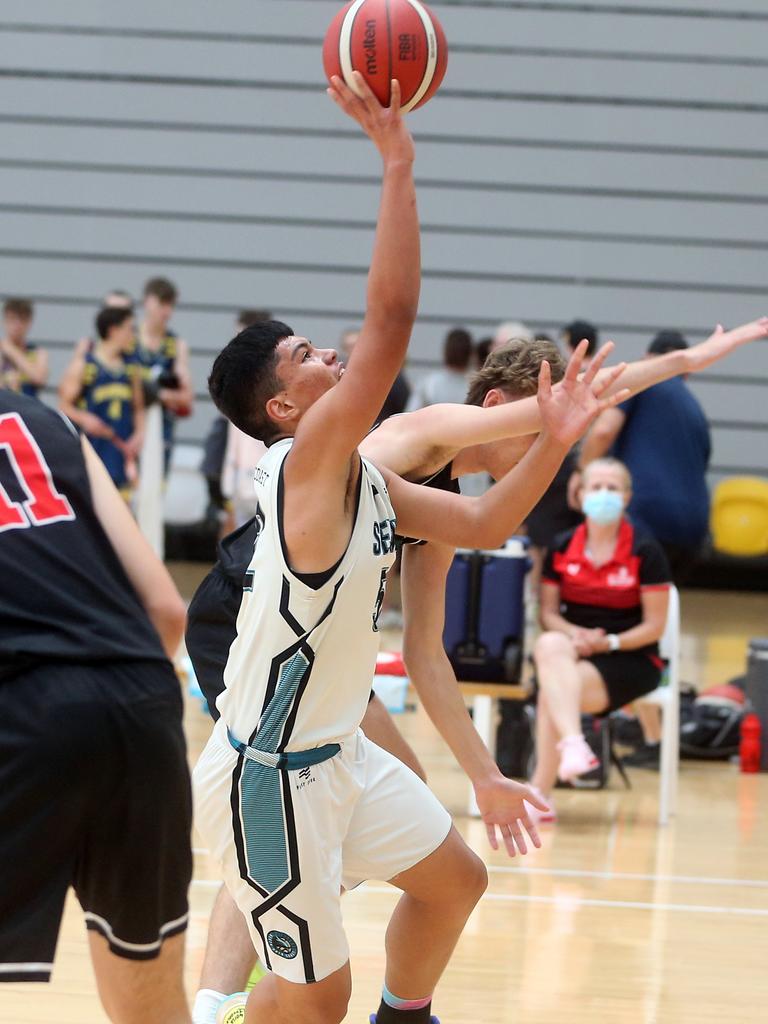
[614, 642]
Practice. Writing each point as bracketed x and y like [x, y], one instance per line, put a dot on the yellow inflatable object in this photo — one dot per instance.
[740, 516]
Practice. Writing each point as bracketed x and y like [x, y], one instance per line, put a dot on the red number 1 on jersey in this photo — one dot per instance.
[44, 504]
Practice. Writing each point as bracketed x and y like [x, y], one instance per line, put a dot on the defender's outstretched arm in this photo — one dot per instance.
[453, 427]
[487, 521]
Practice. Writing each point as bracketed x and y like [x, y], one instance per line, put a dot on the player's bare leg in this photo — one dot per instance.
[229, 956]
[229, 953]
[141, 991]
[277, 1001]
[439, 894]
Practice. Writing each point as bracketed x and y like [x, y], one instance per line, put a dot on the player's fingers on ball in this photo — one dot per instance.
[364, 92]
[394, 96]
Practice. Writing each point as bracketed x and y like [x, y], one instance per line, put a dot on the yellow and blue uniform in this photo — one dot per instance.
[108, 394]
[152, 366]
[25, 385]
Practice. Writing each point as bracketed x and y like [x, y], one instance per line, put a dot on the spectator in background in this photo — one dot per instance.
[240, 459]
[579, 330]
[482, 351]
[23, 366]
[163, 358]
[100, 393]
[663, 437]
[116, 298]
[215, 444]
[511, 330]
[604, 598]
[450, 383]
[399, 393]
[554, 513]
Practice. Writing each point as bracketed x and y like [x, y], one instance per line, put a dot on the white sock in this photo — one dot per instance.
[206, 1004]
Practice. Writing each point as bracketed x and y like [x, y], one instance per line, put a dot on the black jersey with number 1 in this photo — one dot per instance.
[64, 595]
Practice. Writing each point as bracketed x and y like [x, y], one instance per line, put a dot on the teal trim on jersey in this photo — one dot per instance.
[291, 674]
[261, 807]
[291, 762]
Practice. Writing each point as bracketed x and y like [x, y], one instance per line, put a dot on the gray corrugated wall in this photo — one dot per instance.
[602, 160]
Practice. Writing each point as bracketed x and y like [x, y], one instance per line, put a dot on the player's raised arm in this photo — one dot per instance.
[487, 521]
[644, 373]
[343, 416]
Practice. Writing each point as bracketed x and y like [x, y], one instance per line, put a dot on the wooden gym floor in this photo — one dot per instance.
[613, 922]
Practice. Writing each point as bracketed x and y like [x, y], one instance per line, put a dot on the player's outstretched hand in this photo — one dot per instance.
[721, 343]
[383, 125]
[502, 804]
[568, 410]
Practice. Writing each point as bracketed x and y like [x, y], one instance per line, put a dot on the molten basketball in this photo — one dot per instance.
[386, 39]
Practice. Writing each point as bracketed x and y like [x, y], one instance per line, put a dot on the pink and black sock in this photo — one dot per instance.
[403, 1011]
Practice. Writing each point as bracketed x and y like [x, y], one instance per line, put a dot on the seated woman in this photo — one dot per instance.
[604, 597]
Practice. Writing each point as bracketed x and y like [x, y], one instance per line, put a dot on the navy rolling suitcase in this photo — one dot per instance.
[485, 613]
[483, 638]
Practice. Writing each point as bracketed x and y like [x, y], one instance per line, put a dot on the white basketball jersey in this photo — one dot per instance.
[300, 669]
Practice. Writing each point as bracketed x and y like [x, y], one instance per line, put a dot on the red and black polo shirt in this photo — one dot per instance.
[607, 596]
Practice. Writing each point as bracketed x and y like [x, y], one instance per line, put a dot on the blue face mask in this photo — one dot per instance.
[603, 506]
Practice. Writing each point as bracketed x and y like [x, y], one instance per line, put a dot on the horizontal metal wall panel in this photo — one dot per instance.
[604, 159]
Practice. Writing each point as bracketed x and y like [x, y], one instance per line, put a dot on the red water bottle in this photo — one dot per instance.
[749, 747]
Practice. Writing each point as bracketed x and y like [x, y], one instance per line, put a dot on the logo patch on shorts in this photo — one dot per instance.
[282, 945]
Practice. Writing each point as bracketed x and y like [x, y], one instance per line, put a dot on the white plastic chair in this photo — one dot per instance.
[667, 697]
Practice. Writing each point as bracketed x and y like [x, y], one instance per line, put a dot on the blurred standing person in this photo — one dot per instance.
[577, 331]
[240, 459]
[448, 384]
[23, 366]
[510, 330]
[217, 439]
[482, 351]
[554, 514]
[115, 298]
[399, 393]
[100, 393]
[662, 436]
[163, 358]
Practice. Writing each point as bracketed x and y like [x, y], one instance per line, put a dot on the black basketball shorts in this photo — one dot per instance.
[94, 794]
[627, 675]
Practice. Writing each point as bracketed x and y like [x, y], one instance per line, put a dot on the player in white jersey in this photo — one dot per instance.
[292, 799]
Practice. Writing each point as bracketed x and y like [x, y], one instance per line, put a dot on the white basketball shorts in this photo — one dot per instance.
[289, 841]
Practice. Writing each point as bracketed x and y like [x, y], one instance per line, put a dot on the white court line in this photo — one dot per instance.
[618, 876]
[571, 902]
[754, 883]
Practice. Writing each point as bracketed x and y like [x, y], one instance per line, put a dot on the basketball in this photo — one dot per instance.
[386, 39]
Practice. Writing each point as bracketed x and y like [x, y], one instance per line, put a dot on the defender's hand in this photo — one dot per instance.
[383, 125]
[721, 343]
[568, 410]
[502, 806]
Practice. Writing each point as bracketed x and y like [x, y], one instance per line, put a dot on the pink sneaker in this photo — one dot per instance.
[541, 817]
[576, 758]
